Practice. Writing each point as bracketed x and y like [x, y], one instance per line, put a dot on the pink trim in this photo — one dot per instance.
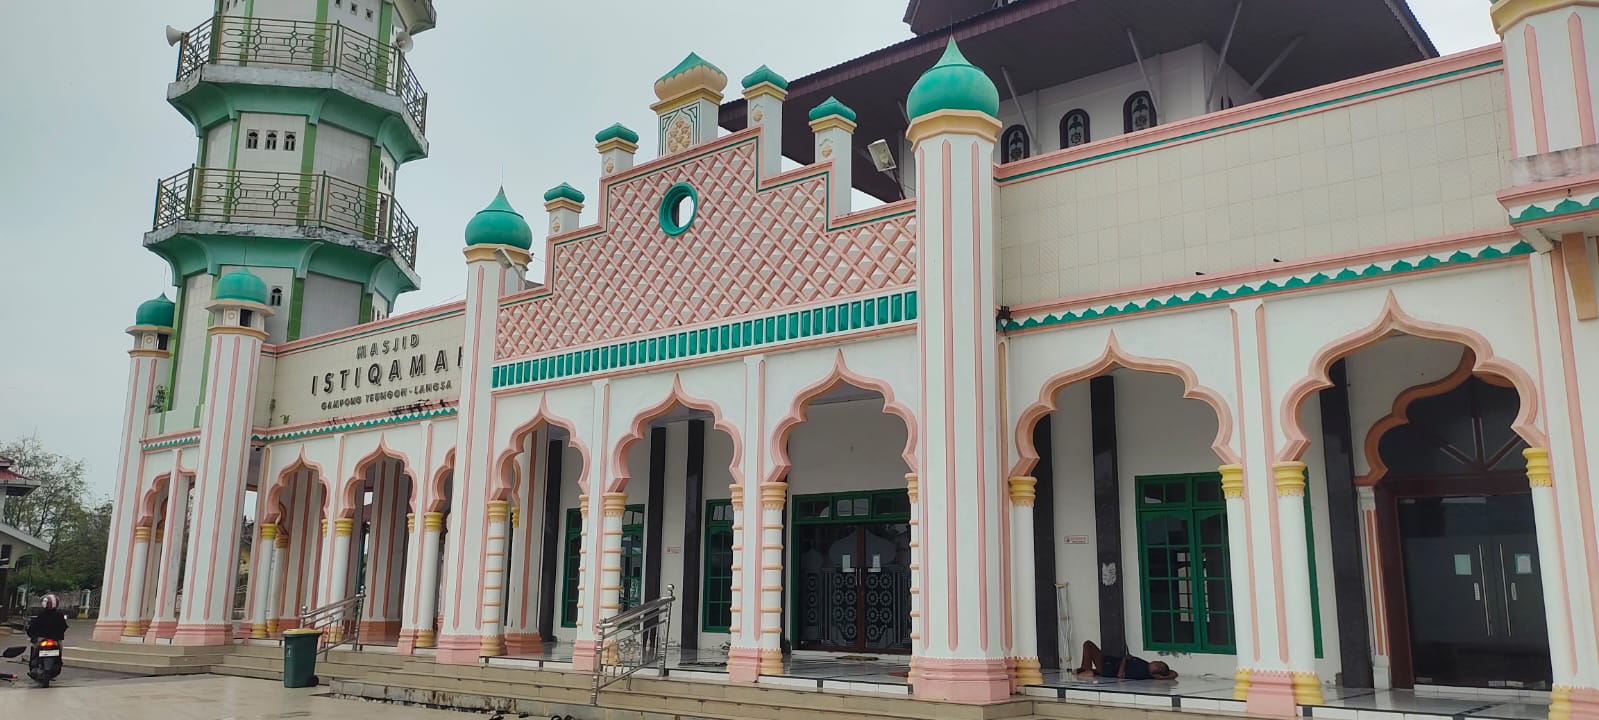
[1579, 74]
[1540, 130]
[1579, 436]
[275, 491]
[1365, 256]
[981, 315]
[1271, 693]
[125, 458]
[839, 375]
[223, 477]
[584, 654]
[596, 520]
[1276, 106]
[480, 309]
[1543, 387]
[676, 397]
[1273, 517]
[502, 491]
[743, 664]
[961, 680]
[1113, 357]
[947, 484]
[439, 500]
[459, 649]
[1399, 415]
[922, 409]
[152, 500]
[289, 348]
[195, 635]
[1249, 525]
[1379, 605]
[1394, 318]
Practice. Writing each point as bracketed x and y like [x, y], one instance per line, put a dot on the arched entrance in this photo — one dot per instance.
[1457, 542]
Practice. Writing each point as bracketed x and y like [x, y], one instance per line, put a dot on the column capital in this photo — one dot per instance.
[583, 505]
[410, 522]
[1538, 472]
[433, 521]
[1232, 481]
[269, 531]
[1290, 478]
[141, 534]
[735, 492]
[160, 534]
[615, 504]
[913, 485]
[498, 510]
[1022, 493]
[774, 495]
[282, 541]
[343, 526]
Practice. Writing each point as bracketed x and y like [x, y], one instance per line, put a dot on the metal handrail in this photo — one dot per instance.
[632, 640]
[319, 199]
[340, 623]
[331, 47]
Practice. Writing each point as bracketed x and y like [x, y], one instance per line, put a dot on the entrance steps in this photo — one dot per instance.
[265, 662]
[554, 693]
[140, 659]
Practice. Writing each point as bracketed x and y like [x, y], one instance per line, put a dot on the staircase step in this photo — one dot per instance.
[247, 672]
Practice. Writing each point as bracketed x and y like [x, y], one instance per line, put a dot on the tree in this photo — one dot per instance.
[61, 513]
[62, 489]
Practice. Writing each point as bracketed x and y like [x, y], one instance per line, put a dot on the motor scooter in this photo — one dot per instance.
[44, 660]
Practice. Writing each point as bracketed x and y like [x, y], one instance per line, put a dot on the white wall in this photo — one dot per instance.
[278, 159]
[341, 153]
[330, 304]
[195, 320]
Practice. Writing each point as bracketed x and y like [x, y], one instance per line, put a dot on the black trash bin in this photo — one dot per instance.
[299, 657]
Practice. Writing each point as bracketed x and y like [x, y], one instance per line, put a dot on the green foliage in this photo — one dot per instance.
[62, 513]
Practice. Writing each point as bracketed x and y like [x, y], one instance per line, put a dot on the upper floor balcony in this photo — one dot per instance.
[304, 45]
[316, 207]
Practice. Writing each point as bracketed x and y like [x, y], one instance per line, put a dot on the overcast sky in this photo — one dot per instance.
[514, 86]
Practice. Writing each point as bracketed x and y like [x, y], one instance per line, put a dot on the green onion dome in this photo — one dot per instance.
[499, 224]
[564, 191]
[831, 106]
[158, 312]
[766, 75]
[242, 285]
[617, 131]
[953, 84]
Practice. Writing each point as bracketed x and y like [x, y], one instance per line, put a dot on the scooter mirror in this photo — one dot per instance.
[14, 651]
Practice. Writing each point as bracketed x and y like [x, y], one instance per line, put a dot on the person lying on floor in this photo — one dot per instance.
[1097, 664]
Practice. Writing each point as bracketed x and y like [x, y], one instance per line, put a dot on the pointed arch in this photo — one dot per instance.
[347, 493]
[151, 501]
[503, 489]
[838, 375]
[438, 498]
[274, 497]
[1376, 469]
[1394, 319]
[636, 432]
[1113, 357]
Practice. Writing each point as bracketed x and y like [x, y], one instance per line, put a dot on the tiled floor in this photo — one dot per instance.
[886, 674]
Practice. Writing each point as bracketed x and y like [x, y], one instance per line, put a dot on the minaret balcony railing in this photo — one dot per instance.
[300, 44]
[298, 199]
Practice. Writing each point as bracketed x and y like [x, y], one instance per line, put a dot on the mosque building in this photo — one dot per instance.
[1245, 339]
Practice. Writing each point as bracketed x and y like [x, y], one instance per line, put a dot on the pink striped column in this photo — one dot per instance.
[206, 617]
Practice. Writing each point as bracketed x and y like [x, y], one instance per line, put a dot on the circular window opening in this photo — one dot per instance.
[678, 208]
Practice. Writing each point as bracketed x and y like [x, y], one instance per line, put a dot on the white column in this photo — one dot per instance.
[913, 488]
[611, 561]
[338, 585]
[493, 598]
[152, 579]
[1024, 588]
[280, 577]
[145, 365]
[744, 655]
[774, 496]
[1232, 488]
[1541, 478]
[141, 553]
[164, 619]
[834, 127]
[1376, 619]
[522, 576]
[583, 650]
[764, 92]
[427, 607]
[262, 576]
[1296, 582]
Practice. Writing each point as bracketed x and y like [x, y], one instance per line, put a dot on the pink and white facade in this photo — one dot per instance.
[1264, 392]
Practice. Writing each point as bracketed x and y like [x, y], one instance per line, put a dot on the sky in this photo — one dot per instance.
[516, 91]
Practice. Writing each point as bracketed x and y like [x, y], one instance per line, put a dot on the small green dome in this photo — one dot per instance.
[831, 106]
[499, 224]
[764, 74]
[158, 312]
[953, 84]
[564, 191]
[242, 285]
[616, 131]
[689, 63]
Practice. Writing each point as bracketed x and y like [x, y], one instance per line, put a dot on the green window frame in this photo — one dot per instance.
[716, 614]
[853, 507]
[572, 552]
[1185, 582]
[1192, 510]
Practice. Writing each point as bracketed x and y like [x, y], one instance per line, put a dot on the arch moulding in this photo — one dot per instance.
[838, 375]
[636, 432]
[504, 485]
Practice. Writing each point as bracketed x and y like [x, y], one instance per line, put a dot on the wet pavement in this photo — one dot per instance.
[193, 697]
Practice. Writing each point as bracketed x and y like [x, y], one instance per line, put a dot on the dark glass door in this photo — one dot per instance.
[852, 575]
[1475, 592]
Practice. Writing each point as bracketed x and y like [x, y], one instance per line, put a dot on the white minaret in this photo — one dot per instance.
[961, 652]
[120, 606]
[239, 314]
[497, 243]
